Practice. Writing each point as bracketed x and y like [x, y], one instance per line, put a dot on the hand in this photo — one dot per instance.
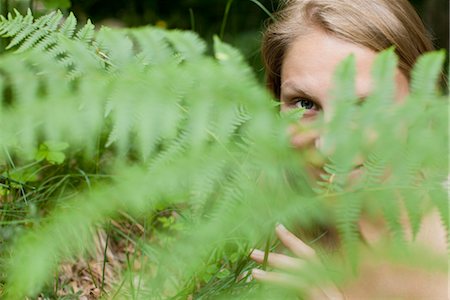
[286, 263]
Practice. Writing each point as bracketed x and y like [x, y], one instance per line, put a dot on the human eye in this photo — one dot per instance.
[304, 103]
[310, 107]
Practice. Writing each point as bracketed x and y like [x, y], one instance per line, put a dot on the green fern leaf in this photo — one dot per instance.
[68, 27]
[195, 132]
[12, 25]
[153, 46]
[21, 36]
[32, 40]
[54, 22]
[383, 74]
[47, 43]
[425, 74]
[116, 46]
[46, 19]
[225, 53]
[415, 207]
[37, 31]
[347, 216]
[86, 34]
[186, 44]
[344, 113]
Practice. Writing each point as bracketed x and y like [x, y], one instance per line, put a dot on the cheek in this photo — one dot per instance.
[283, 106]
[402, 87]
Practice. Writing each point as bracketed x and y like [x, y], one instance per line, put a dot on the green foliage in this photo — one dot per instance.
[52, 152]
[154, 124]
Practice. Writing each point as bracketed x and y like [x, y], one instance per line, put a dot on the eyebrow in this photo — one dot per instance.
[297, 90]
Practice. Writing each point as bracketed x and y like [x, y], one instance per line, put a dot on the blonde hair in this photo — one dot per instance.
[375, 24]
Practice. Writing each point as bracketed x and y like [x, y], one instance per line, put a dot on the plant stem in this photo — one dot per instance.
[264, 9]
[191, 15]
[225, 18]
[266, 252]
[105, 258]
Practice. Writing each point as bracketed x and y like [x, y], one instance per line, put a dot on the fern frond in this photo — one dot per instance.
[152, 46]
[344, 110]
[45, 34]
[392, 215]
[86, 34]
[187, 44]
[426, 73]
[416, 208]
[375, 168]
[68, 27]
[116, 46]
[34, 32]
[348, 213]
[11, 26]
[179, 128]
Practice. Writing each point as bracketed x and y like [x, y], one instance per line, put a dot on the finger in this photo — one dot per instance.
[293, 243]
[332, 292]
[278, 261]
[284, 280]
[290, 281]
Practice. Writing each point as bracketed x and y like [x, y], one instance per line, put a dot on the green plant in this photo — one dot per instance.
[155, 125]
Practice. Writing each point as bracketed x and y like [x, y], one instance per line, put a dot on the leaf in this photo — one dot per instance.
[52, 152]
[188, 44]
[293, 115]
[383, 73]
[426, 73]
[69, 26]
[223, 273]
[23, 176]
[56, 158]
[225, 53]
[86, 34]
[165, 97]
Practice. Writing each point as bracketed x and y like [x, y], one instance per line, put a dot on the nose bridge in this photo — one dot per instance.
[327, 112]
[327, 108]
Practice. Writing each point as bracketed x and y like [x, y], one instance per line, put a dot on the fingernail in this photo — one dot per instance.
[257, 273]
[257, 253]
[318, 143]
[281, 227]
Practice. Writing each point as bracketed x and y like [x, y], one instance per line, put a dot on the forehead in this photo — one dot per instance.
[311, 60]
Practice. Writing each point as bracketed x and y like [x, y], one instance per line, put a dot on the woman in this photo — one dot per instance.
[301, 50]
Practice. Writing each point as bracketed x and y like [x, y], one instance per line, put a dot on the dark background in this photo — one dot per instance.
[242, 28]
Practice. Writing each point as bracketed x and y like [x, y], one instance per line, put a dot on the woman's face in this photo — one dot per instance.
[308, 68]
